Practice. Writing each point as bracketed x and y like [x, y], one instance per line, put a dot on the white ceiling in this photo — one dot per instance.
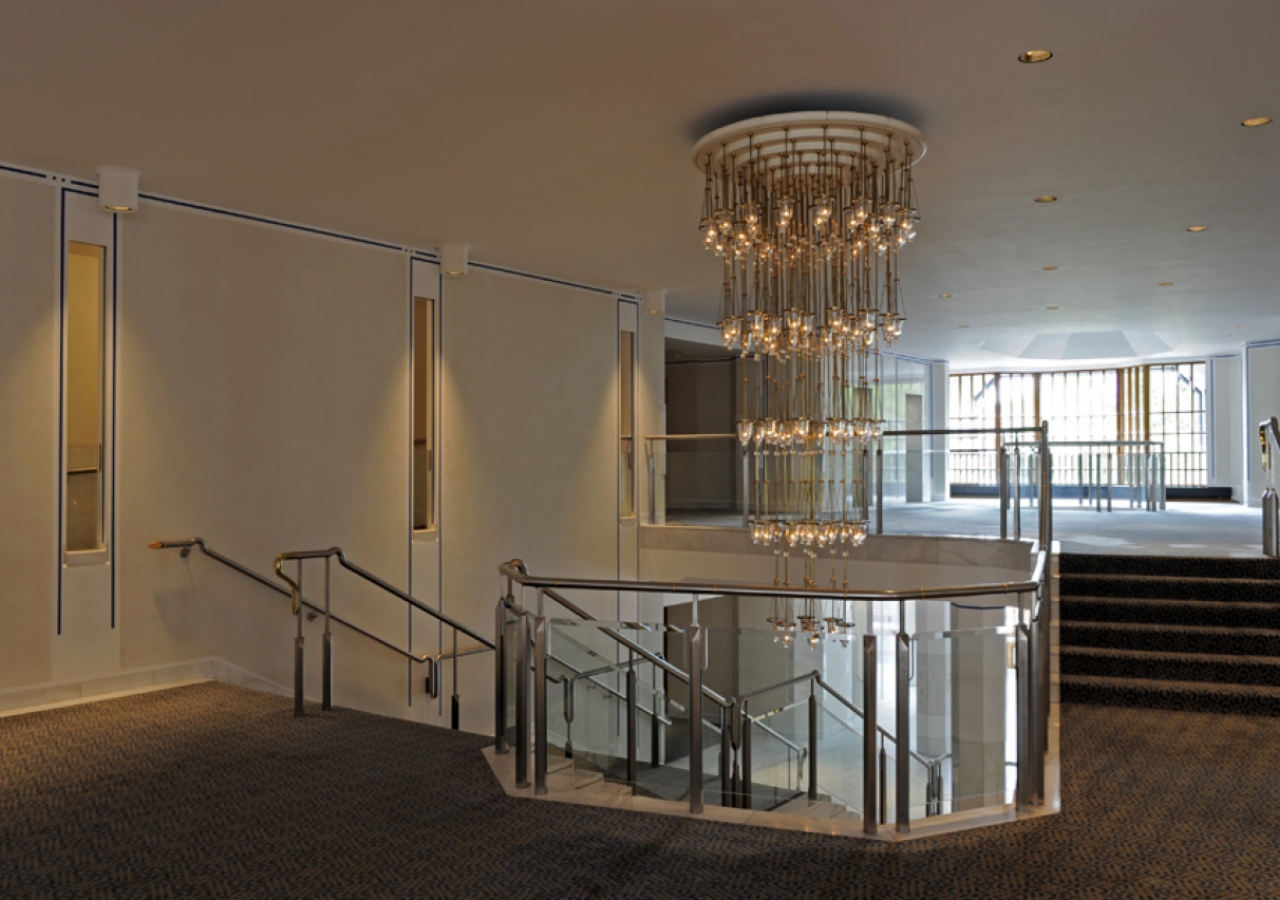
[556, 137]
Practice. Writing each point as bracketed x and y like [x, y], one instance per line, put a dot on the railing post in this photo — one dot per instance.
[522, 696]
[813, 741]
[655, 732]
[633, 730]
[1028, 727]
[327, 688]
[693, 653]
[1017, 492]
[746, 798]
[1045, 488]
[540, 705]
[500, 676]
[1002, 478]
[902, 781]
[726, 762]
[455, 707]
[869, 779]
[879, 488]
[299, 685]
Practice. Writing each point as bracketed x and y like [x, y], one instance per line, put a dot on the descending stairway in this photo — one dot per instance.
[1171, 633]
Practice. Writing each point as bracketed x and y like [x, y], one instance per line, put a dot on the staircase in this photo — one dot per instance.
[1177, 633]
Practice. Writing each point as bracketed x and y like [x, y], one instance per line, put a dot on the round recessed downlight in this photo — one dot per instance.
[1047, 198]
[945, 296]
[1198, 228]
[1256, 121]
[1035, 56]
[962, 326]
[1051, 307]
[1049, 268]
[1166, 284]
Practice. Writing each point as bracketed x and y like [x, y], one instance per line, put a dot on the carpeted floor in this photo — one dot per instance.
[214, 791]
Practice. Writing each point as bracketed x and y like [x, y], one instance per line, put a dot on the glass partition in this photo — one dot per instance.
[85, 395]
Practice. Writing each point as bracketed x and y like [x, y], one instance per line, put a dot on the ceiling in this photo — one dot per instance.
[557, 137]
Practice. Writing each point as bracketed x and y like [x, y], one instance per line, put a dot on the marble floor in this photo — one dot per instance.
[1185, 528]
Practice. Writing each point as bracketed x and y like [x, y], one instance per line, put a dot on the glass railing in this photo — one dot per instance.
[864, 719]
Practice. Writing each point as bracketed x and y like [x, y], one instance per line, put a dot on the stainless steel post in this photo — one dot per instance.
[728, 790]
[869, 780]
[1045, 489]
[813, 741]
[1164, 483]
[522, 697]
[693, 653]
[1097, 491]
[327, 688]
[1270, 523]
[746, 796]
[1025, 726]
[455, 708]
[879, 489]
[299, 685]
[1002, 477]
[500, 677]
[1080, 477]
[540, 705]
[633, 731]
[1017, 492]
[1110, 481]
[655, 731]
[902, 780]
[884, 783]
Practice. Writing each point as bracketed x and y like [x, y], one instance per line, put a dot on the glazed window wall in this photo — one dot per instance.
[1164, 402]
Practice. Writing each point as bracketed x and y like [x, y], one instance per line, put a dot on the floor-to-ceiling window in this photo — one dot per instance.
[1161, 402]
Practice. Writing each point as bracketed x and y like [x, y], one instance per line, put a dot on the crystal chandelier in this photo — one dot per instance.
[808, 212]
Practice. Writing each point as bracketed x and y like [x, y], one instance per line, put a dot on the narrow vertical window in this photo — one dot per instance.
[84, 396]
[626, 424]
[424, 414]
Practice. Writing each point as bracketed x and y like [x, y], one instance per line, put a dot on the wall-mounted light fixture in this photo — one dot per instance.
[655, 301]
[118, 189]
[453, 259]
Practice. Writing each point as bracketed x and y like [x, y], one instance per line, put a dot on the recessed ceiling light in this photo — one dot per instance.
[945, 296]
[1051, 307]
[1166, 284]
[1049, 268]
[1034, 56]
[1256, 121]
[1232, 334]
[1047, 198]
[962, 326]
[1198, 228]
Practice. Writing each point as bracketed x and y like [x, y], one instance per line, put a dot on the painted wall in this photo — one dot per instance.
[1262, 400]
[29, 436]
[263, 403]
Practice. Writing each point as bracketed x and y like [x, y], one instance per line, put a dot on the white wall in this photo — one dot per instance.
[1226, 418]
[1262, 390]
[263, 404]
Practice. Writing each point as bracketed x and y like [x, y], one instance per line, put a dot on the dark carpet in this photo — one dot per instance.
[1172, 633]
[214, 791]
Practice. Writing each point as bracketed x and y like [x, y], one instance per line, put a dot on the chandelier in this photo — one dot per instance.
[808, 212]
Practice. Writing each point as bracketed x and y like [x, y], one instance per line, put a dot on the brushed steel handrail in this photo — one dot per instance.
[1272, 424]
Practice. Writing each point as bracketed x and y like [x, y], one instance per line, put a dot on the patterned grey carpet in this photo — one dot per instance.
[214, 791]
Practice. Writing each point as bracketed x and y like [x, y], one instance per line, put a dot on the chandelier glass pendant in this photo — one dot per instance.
[808, 213]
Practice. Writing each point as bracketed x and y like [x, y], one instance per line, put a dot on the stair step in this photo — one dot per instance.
[1194, 696]
[1170, 566]
[817, 809]
[1169, 587]
[1158, 666]
[1164, 611]
[1171, 638]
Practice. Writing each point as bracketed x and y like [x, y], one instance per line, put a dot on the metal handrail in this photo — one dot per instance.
[1272, 424]
[759, 590]
[336, 553]
[185, 545]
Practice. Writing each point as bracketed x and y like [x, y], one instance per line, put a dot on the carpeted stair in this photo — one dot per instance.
[1180, 633]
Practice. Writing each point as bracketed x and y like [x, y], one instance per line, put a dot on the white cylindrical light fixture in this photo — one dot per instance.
[453, 259]
[655, 301]
[118, 189]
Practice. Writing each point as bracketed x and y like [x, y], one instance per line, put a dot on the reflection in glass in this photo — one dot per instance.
[84, 395]
[424, 400]
[627, 422]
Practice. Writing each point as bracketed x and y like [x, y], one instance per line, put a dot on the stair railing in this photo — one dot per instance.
[1270, 502]
[295, 591]
[1031, 636]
